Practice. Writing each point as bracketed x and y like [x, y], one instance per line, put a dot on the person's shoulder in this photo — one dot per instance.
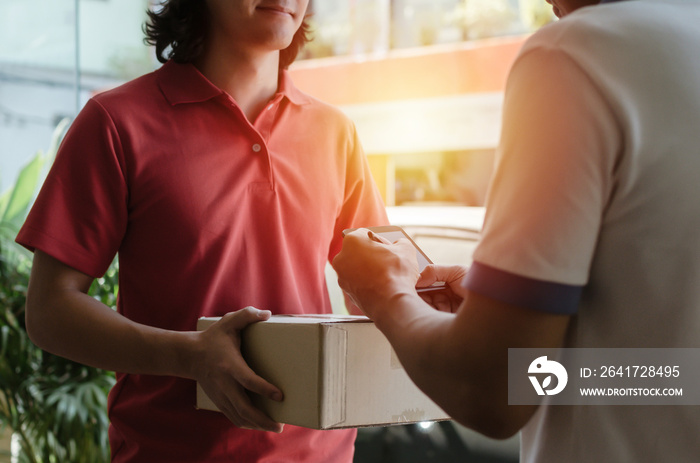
[568, 30]
[613, 22]
[132, 101]
[129, 92]
[583, 34]
[606, 32]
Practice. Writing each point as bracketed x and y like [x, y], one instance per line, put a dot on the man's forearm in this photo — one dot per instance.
[460, 361]
[78, 327]
[62, 319]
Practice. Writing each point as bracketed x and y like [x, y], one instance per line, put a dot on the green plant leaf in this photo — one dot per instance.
[15, 202]
[4, 200]
[22, 194]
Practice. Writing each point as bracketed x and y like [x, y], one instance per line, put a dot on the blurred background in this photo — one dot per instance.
[423, 81]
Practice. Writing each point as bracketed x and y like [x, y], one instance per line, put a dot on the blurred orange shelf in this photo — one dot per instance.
[426, 72]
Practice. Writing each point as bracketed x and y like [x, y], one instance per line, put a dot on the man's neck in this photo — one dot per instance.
[251, 80]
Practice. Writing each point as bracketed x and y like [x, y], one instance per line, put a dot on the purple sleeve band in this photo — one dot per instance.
[544, 296]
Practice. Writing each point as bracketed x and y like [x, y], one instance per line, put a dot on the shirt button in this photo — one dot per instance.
[257, 148]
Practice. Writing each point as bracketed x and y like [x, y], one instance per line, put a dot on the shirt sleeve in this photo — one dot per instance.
[80, 214]
[552, 181]
[363, 205]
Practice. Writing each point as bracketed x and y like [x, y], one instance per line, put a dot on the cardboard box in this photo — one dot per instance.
[335, 372]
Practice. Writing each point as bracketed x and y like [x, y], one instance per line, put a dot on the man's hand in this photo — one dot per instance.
[449, 299]
[226, 377]
[372, 270]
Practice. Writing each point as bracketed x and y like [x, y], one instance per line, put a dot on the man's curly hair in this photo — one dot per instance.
[178, 31]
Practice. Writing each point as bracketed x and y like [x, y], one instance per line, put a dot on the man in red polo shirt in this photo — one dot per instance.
[221, 187]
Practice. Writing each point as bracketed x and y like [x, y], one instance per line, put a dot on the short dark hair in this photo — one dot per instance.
[178, 31]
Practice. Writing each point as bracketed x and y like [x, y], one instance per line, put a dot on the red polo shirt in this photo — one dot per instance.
[208, 214]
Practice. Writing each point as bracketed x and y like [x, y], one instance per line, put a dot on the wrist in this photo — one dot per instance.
[392, 312]
[177, 353]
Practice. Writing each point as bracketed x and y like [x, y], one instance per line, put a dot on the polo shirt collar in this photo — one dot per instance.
[288, 89]
[183, 83]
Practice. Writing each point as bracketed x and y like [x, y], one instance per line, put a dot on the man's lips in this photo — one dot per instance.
[276, 9]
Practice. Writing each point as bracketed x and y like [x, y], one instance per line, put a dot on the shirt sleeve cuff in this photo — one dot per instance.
[544, 296]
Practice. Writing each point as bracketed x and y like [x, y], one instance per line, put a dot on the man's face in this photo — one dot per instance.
[263, 25]
[564, 7]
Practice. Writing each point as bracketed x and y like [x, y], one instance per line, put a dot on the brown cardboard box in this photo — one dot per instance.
[335, 372]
